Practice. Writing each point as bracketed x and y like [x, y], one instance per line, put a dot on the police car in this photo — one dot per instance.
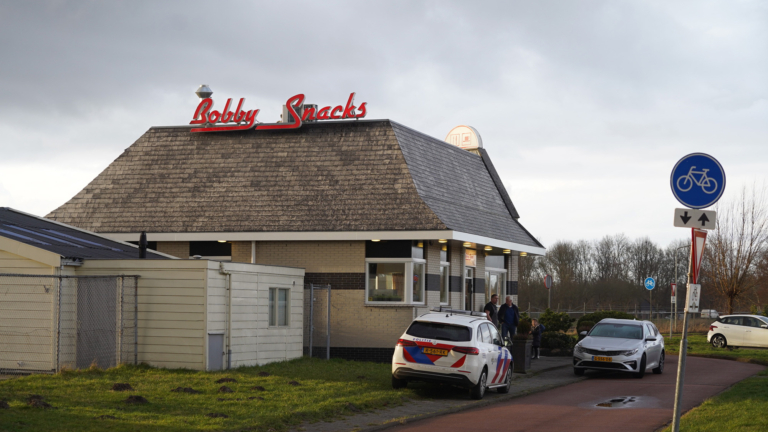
[455, 347]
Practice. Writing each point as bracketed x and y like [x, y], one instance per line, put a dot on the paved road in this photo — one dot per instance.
[641, 405]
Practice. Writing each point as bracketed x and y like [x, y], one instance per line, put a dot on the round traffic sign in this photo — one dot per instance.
[697, 180]
[650, 283]
[548, 281]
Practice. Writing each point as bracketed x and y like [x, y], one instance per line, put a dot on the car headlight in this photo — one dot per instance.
[630, 352]
[579, 349]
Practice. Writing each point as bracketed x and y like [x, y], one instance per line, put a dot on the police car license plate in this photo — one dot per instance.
[435, 351]
[602, 359]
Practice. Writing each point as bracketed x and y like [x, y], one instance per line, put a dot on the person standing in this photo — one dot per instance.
[509, 316]
[538, 329]
[491, 312]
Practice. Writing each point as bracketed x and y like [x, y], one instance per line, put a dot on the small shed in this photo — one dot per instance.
[71, 298]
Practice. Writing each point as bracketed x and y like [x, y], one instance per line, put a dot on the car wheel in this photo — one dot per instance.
[478, 391]
[507, 387]
[578, 371]
[399, 383]
[718, 341]
[658, 370]
[641, 371]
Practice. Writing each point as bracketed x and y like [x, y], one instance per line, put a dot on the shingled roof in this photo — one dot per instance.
[374, 175]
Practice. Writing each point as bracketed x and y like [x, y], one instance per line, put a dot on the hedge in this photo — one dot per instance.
[595, 317]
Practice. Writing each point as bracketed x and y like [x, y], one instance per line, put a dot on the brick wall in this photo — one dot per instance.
[314, 257]
[241, 252]
[177, 249]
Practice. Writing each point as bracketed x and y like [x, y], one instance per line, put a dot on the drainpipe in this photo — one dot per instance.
[228, 318]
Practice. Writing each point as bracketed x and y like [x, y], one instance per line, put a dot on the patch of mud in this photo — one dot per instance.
[258, 388]
[106, 417]
[263, 374]
[121, 387]
[294, 383]
[225, 389]
[256, 397]
[4, 404]
[216, 415]
[136, 400]
[189, 390]
[225, 380]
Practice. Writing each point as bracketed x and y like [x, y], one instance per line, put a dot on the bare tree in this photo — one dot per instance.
[737, 244]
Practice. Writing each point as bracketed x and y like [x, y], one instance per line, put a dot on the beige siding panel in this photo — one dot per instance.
[38, 261]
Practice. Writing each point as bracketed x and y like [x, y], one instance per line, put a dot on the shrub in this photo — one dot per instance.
[523, 328]
[765, 310]
[584, 326]
[556, 340]
[556, 321]
[595, 317]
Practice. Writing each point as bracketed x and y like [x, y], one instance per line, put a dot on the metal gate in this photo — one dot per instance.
[52, 322]
[317, 322]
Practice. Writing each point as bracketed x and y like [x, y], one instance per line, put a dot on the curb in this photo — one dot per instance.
[472, 405]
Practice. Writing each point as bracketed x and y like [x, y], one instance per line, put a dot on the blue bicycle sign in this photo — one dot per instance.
[650, 283]
[698, 180]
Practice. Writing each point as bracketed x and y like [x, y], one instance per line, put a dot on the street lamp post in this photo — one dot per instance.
[676, 289]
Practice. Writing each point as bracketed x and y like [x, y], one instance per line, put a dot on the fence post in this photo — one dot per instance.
[57, 354]
[135, 320]
[311, 318]
[328, 328]
[120, 335]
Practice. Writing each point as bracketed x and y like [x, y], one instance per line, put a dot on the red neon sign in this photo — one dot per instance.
[225, 120]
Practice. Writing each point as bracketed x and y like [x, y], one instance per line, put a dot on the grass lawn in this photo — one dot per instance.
[84, 401]
[698, 346]
[741, 408]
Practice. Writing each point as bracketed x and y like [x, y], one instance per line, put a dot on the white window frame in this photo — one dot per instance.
[447, 282]
[408, 281]
[502, 274]
[277, 305]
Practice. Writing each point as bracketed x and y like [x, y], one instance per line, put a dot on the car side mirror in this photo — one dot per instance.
[650, 339]
[584, 333]
[765, 326]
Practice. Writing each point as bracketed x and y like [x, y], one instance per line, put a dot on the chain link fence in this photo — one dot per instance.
[48, 323]
[317, 321]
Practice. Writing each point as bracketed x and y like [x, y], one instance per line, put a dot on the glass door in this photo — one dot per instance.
[469, 287]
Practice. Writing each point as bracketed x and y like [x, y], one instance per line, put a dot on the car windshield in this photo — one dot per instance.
[446, 332]
[623, 331]
[763, 319]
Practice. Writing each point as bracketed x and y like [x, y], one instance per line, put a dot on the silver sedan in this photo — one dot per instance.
[620, 345]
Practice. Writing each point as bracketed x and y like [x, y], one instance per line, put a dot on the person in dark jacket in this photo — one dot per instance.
[538, 329]
[491, 312]
[509, 316]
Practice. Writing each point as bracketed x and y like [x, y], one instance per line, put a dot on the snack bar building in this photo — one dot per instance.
[396, 221]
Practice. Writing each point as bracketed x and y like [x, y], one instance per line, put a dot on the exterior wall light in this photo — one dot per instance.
[375, 240]
[467, 244]
[507, 251]
[222, 241]
[420, 244]
[488, 248]
[442, 241]
[523, 253]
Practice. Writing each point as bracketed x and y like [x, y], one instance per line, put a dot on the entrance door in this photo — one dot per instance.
[215, 351]
[469, 287]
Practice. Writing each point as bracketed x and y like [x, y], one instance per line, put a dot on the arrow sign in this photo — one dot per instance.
[690, 218]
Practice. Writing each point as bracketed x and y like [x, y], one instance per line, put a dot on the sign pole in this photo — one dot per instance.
[683, 350]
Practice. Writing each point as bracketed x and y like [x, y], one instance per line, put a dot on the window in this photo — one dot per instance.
[445, 279]
[279, 305]
[446, 332]
[495, 336]
[394, 280]
[486, 334]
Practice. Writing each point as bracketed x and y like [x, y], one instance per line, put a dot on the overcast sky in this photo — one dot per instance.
[584, 106]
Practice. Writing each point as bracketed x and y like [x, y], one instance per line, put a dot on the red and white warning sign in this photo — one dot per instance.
[698, 238]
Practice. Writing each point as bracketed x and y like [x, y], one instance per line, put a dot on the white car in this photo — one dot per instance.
[455, 347]
[739, 330]
[620, 345]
